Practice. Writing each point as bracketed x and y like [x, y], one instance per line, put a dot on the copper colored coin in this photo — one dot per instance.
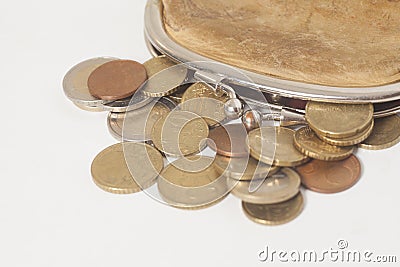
[229, 140]
[116, 79]
[330, 176]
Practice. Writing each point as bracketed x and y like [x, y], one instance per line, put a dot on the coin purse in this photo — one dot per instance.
[182, 30]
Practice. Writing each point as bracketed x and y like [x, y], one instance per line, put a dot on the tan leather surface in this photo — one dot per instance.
[337, 42]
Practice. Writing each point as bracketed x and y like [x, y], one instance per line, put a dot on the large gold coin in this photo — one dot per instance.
[191, 190]
[180, 133]
[274, 214]
[201, 99]
[111, 173]
[338, 120]
[386, 133]
[276, 188]
[349, 141]
[281, 152]
[244, 169]
[165, 76]
[307, 142]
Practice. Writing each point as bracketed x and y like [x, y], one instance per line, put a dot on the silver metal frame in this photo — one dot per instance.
[161, 42]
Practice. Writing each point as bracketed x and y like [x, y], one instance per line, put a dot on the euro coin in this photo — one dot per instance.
[274, 214]
[330, 176]
[274, 146]
[116, 79]
[349, 141]
[201, 99]
[164, 77]
[244, 169]
[386, 133]
[112, 174]
[276, 188]
[307, 142]
[180, 133]
[191, 190]
[338, 120]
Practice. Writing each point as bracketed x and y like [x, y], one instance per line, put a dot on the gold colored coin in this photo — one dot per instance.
[350, 141]
[276, 188]
[191, 190]
[274, 146]
[180, 133]
[112, 174]
[274, 214]
[244, 169]
[307, 142]
[338, 120]
[136, 125]
[386, 133]
[201, 99]
[177, 96]
[165, 76]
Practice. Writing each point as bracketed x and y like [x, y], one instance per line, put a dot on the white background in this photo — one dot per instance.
[52, 214]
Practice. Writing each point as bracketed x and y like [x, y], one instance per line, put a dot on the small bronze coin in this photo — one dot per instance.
[307, 142]
[112, 174]
[386, 133]
[229, 140]
[274, 214]
[116, 79]
[338, 120]
[330, 176]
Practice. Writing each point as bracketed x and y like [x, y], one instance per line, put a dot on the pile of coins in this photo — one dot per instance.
[165, 124]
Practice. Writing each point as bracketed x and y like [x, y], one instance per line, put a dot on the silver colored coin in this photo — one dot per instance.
[89, 108]
[75, 82]
[277, 188]
[136, 125]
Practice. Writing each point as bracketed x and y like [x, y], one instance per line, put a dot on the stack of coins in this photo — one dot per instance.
[166, 122]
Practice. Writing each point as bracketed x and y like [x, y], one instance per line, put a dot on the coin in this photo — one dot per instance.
[99, 108]
[274, 145]
[276, 188]
[177, 96]
[229, 140]
[165, 76]
[116, 79]
[127, 104]
[75, 82]
[349, 141]
[274, 214]
[191, 190]
[112, 174]
[330, 176]
[201, 99]
[386, 133]
[338, 120]
[307, 142]
[137, 125]
[244, 169]
[180, 133]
